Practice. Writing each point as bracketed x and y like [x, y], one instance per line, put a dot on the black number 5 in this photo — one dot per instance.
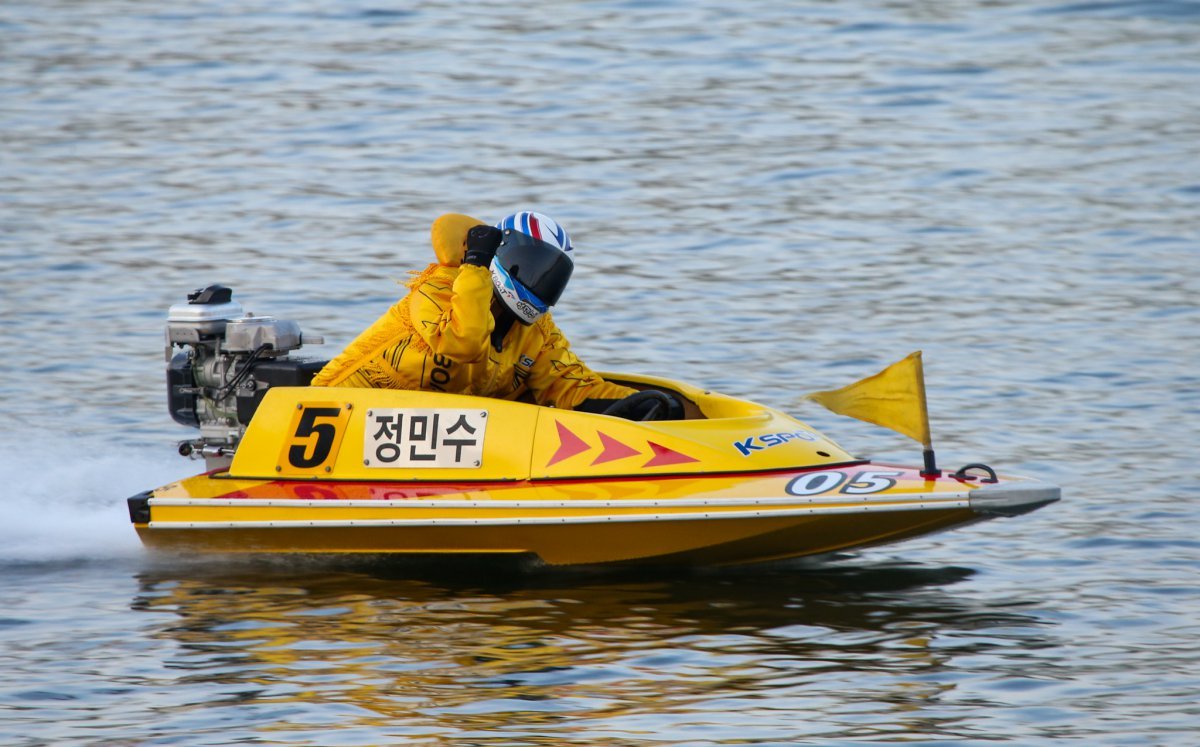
[325, 433]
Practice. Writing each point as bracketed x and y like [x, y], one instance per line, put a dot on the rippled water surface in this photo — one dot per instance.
[767, 199]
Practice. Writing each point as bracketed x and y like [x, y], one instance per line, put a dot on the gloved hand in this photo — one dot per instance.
[481, 245]
[648, 404]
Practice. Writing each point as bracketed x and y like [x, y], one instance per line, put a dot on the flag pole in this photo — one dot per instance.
[930, 469]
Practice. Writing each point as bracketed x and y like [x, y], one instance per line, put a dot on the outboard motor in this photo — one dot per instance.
[229, 360]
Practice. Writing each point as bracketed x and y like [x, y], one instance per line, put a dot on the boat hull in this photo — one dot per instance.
[679, 520]
[365, 471]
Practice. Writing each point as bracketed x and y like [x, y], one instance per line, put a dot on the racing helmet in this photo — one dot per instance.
[532, 264]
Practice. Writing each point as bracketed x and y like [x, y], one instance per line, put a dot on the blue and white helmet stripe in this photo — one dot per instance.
[517, 297]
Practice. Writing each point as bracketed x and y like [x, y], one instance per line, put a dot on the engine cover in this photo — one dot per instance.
[249, 333]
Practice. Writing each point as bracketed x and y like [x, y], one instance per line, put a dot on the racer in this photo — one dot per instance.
[477, 322]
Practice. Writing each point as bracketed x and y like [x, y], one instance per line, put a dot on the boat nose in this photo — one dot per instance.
[1013, 498]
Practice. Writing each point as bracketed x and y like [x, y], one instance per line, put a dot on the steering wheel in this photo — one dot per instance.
[648, 404]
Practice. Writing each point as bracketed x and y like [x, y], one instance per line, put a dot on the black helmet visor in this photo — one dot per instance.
[541, 267]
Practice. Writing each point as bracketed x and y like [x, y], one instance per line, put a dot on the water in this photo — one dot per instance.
[767, 199]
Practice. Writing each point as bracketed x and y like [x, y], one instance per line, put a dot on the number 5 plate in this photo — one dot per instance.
[315, 437]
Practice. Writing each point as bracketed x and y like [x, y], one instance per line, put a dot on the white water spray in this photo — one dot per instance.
[64, 498]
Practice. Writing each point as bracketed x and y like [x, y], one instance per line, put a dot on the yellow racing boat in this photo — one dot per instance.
[299, 469]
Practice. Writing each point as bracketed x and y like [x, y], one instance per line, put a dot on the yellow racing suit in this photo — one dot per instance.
[438, 338]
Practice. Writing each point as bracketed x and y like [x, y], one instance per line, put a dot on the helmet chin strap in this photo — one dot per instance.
[504, 321]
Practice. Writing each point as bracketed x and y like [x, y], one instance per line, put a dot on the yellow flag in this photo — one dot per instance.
[893, 398]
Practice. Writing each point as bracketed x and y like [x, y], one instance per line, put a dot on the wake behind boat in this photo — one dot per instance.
[300, 469]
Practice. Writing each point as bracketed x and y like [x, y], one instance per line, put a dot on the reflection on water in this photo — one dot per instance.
[574, 658]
